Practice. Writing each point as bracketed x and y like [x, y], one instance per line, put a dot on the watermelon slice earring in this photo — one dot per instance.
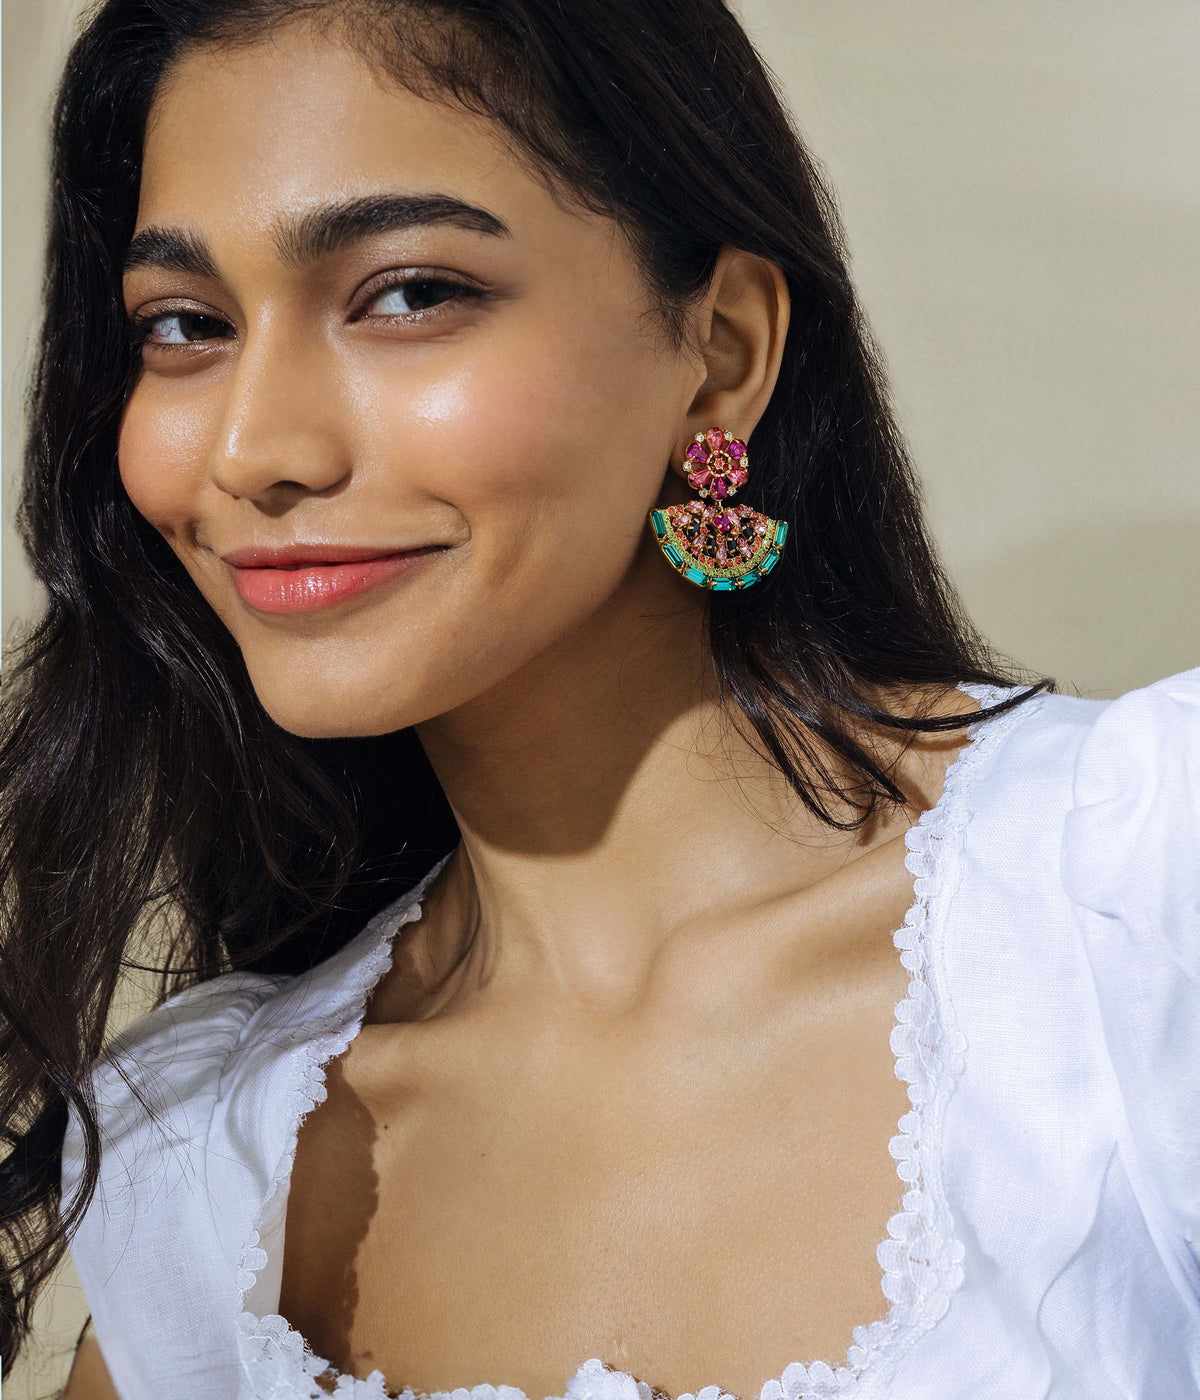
[711, 543]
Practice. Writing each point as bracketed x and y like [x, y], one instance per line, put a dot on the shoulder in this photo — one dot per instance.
[1132, 837]
[1084, 864]
[1099, 800]
[216, 1059]
[160, 1196]
[157, 1079]
[197, 1103]
[1131, 868]
[1092, 775]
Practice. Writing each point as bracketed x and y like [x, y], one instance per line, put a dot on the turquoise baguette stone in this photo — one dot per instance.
[781, 533]
[673, 555]
[721, 585]
[695, 575]
[768, 563]
[660, 522]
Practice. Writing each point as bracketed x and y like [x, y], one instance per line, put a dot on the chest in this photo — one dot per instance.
[696, 1204]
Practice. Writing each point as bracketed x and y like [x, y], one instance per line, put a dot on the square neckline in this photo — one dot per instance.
[921, 1254]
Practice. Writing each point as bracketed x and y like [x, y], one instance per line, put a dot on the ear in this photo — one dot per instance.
[740, 329]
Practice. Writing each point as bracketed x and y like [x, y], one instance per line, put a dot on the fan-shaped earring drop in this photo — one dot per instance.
[712, 543]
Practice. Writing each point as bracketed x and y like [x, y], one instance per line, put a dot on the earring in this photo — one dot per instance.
[711, 543]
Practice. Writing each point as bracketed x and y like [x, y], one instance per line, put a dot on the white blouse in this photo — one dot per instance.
[1047, 1236]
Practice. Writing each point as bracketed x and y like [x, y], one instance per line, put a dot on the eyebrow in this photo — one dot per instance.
[302, 239]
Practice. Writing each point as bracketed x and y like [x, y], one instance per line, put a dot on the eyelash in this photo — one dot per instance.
[138, 327]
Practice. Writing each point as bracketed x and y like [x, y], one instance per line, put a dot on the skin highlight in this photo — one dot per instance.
[640, 922]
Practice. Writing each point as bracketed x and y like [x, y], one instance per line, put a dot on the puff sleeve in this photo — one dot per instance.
[1131, 866]
[155, 1271]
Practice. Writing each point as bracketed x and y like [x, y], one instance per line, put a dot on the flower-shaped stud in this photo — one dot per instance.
[717, 464]
[713, 544]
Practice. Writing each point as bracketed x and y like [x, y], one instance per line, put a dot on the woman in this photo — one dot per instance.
[540, 822]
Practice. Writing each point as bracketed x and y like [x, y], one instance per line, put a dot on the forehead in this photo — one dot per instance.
[241, 136]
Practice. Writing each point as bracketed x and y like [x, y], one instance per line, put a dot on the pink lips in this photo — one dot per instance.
[303, 580]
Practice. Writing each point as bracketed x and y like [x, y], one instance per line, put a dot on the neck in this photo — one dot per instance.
[608, 805]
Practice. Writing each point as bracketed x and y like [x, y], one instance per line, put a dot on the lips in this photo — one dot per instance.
[295, 556]
[306, 578]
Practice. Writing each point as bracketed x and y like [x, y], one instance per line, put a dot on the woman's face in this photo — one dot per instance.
[509, 410]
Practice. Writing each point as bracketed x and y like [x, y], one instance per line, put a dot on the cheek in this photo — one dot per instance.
[159, 456]
[552, 446]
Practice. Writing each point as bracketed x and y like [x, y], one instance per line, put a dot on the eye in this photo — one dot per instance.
[419, 288]
[139, 329]
[180, 326]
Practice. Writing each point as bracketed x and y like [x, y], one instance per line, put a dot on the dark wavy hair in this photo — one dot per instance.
[140, 778]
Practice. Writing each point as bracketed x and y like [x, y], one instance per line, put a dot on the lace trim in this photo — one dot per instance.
[921, 1257]
[277, 1359]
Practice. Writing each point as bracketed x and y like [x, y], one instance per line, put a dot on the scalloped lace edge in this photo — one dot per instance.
[921, 1256]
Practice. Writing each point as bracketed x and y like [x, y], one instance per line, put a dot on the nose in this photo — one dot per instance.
[283, 429]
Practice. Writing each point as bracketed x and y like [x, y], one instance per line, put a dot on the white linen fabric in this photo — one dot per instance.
[1047, 1238]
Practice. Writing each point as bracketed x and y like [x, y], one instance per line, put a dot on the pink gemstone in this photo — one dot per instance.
[745, 547]
[725, 523]
[697, 452]
[718, 488]
[738, 474]
[722, 556]
[760, 527]
[715, 439]
[700, 477]
[737, 448]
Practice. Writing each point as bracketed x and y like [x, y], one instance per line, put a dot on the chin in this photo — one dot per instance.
[311, 710]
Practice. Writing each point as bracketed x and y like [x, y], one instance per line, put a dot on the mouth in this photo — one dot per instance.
[303, 556]
[307, 579]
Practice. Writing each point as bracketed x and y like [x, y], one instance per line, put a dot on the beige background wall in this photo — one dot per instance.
[1022, 201]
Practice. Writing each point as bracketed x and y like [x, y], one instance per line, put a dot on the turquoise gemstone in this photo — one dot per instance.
[660, 522]
[673, 555]
[695, 575]
[747, 579]
[781, 533]
[721, 585]
[769, 562]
